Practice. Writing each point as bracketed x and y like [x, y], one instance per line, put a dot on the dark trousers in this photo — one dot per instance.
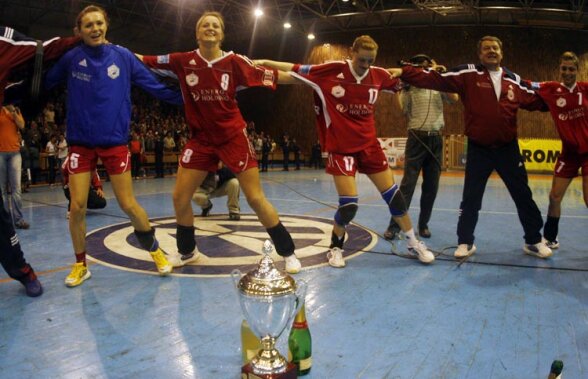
[135, 164]
[297, 160]
[509, 165]
[51, 163]
[159, 165]
[11, 255]
[264, 161]
[286, 154]
[422, 154]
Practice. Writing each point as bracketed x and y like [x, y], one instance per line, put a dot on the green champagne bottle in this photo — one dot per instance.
[250, 344]
[556, 369]
[300, 344]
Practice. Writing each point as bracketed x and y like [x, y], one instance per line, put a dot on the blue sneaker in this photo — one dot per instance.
[32, 286]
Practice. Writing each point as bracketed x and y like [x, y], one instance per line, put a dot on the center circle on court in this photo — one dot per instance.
[224, 244]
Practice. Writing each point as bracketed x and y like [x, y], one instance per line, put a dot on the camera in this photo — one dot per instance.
[418, 60]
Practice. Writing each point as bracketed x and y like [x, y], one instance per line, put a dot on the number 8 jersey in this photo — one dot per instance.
[345, 103]
[209, 89]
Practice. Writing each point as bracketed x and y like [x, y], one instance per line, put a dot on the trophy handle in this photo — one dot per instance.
[236, 275]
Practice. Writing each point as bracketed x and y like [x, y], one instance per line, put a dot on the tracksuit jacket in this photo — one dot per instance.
[99, 83]
[489, 121]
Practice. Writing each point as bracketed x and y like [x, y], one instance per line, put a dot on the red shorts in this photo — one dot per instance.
[371, 160]
[116, 159]
[568, 164]
[237, 154]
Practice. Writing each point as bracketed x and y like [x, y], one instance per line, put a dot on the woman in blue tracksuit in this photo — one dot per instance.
[99, 77]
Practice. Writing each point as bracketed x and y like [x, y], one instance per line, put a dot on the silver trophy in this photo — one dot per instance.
[269, 299]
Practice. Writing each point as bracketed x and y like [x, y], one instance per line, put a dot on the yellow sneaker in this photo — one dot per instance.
[163, 266]
[79, 273]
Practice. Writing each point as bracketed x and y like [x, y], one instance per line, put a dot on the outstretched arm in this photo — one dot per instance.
[284, 76]
[282, 66]
[395, 72]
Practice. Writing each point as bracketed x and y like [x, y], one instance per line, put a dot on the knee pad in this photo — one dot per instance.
[147, 239]
[282, 240]
[347, 209]
[395, 201]
[185, 239]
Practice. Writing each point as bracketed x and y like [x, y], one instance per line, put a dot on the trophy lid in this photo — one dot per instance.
[266, 280]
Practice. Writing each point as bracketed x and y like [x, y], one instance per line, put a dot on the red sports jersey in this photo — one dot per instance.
[569, 110]
[345, 103]
[209, 90]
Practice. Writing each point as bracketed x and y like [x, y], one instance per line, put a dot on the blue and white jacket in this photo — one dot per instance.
[99, 92]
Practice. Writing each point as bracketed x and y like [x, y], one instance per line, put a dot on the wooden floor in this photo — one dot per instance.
[501, 314]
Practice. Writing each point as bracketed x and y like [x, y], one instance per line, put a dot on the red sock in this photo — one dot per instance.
[81, 257]
[29, 272]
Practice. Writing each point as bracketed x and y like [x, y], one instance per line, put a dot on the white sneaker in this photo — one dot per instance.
[422, 252]
[335, 257]
[293, 265]
[464, 250]
[551, 244]
[539, 250]
[179, 260]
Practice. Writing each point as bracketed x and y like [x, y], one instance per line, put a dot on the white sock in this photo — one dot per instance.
[411, 240]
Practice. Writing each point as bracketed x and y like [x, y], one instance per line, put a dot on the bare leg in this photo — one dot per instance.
[346, 186]
[251, 186]
[79, 186]
[384, 180]
[187, 180]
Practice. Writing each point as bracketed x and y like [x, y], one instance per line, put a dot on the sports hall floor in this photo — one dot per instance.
[500, 314]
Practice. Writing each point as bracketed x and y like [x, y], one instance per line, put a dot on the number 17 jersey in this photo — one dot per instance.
[345, 103]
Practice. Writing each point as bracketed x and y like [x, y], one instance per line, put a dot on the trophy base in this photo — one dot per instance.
[290, 373]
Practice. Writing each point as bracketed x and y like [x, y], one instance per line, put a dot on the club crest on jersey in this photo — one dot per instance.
[268, 78]
[510, 94]
[113, 71]
[338, 92]
[561, 102]
[192, 79]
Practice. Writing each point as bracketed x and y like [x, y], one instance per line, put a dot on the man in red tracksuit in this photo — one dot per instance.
[491, 96]
[15, 50]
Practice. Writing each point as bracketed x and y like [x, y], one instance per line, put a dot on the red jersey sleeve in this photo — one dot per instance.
[56, 47]
[163, 62]
[249, 75]
[452, 81]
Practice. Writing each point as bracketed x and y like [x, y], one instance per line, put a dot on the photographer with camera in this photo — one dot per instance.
[423, 109]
